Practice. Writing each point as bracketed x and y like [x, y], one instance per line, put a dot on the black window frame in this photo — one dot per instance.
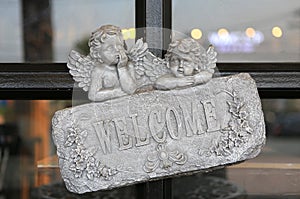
[49, 81]
[52, 80]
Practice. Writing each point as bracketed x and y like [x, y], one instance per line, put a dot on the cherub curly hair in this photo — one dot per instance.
[99, 36]
[186, 46]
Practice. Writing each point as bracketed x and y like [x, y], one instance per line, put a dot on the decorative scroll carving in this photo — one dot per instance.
[164, 158]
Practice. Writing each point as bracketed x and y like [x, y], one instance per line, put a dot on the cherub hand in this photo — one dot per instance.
[202, 77]
[123, 59]
[185, 81]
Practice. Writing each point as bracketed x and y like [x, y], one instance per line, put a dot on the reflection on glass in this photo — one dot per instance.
[10, 31]
[274, 173]
[25, 141]
[243, 31]
[73, 21]
[25, 138]
[282, 117]
[46, 31]
[28, 161]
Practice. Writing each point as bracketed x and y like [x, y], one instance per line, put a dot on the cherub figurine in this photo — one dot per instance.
[106, 72]
[189, 63]
[110, 70]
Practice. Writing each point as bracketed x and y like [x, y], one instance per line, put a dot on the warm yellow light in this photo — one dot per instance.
[250, 32]
[131, 33]
[277, 32]
[196, 33]
[125, 33]
[223, 32]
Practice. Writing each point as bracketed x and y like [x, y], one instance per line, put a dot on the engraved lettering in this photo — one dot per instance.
[210, 114]
[169, 122]
[156, 125]
[140, 140]
[104, 135]
[192, 121]
[125, 141]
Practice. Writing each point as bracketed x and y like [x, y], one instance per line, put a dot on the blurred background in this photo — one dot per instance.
[243, 31]
[44, 31]
[252, 31]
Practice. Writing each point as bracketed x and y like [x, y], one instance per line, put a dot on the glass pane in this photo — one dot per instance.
[29, 167]
[10, 31]
[28, 161]
[47, 30]
[242, 31]
[274, 173]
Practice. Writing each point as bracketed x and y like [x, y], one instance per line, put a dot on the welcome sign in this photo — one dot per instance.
[156, 134]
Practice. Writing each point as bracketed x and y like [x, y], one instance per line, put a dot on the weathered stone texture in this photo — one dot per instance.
[159, 133]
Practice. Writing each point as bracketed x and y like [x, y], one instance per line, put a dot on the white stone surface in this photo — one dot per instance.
[157, 134]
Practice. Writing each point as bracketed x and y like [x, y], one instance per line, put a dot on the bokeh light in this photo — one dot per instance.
[222, 32]
[131, 33]
[125, 33]
[250, 32]
[277, 32]
[128, 33]
[196, 33]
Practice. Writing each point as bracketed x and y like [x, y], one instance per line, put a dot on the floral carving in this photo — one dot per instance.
[58, 117]
[236, 133]
[164, 158]
[75, 136]
[83, 161]
[96, 170]
[55, 120]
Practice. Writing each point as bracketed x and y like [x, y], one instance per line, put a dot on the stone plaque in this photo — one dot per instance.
[160, 133]
[151, 117]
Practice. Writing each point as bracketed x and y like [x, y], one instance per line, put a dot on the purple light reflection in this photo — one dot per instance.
[236, 42]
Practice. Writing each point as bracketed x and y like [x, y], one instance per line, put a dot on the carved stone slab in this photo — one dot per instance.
[158, 134]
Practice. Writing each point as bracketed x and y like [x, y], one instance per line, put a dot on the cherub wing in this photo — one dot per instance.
[153, 67]
[80, 68]
[147, 66]
[209, 59]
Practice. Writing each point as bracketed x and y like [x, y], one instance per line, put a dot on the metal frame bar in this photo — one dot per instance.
[154, 13]
[52, 81]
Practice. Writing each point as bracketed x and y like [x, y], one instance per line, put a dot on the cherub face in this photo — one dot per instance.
[111, 49]
[182, 66]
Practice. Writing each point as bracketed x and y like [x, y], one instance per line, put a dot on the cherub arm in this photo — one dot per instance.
[127, 79]
[202, 77]
[106, 94]
[168, 82]
[98, 93]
